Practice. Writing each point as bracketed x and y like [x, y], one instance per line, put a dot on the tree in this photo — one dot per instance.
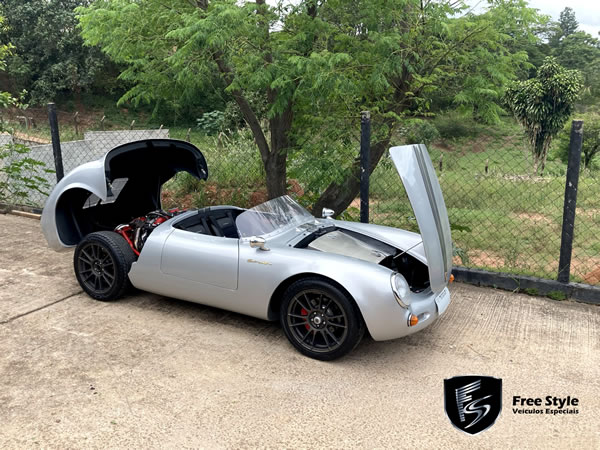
[49, 56]
[313, 64]
[568, 22]
[543, 104]
[581, 51]
[591, 140]
[5, 50]
[19, 174]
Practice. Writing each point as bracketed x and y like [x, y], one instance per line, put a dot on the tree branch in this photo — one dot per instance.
[245, 107]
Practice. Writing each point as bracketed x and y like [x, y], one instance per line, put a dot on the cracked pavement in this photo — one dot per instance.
[153, 372]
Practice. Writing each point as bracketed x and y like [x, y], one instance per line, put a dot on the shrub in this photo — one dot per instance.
[211, 122]
[20, 175]
[590, 152]
[453, 126]
[420, 132]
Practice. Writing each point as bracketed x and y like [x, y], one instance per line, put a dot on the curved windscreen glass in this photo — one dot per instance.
[276, 215]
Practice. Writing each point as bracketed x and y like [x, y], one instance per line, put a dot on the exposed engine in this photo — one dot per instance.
[137, 231]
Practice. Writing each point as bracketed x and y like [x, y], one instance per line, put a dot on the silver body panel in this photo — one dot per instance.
[425, 195]
[228, 273]
[200, 258]
[89, 176]
[261, 272]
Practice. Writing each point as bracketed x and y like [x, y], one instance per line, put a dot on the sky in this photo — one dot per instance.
[587, 12]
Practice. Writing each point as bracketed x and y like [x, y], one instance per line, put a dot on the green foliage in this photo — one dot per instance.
[235, 173]
[314, 65]
[5, 51]
[461, 254]
[567, 21]
[581, 51]
[453, 125]
[419, 131]
[48, 56]
[5, 48]
[211, 122]
[557, 295]
[590, 151]
[543, 105]
[531, 291]
[20, 175]
[506, 29]
[573, 49]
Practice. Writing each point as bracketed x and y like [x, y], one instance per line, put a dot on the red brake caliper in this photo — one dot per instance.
[305, 313]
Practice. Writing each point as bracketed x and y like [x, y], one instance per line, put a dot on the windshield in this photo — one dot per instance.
[278, 215]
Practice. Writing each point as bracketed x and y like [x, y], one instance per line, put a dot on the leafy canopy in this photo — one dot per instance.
[300, 72]
[49, 56]
[19, 174]
[348, 51]
[568, 22]
[5, 50]
[543, 104]
[590, 149]
[579, 50]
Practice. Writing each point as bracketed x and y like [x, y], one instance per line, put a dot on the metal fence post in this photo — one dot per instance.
[365, 147]
[53, 120]
[570, 204]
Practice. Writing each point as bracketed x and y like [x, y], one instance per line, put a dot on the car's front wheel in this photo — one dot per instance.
[102, 261]
[320, 320]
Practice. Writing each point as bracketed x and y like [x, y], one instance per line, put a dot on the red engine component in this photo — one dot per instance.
[137, 231]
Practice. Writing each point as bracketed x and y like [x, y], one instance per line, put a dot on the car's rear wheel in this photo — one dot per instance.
[320, 320]
[102, 261]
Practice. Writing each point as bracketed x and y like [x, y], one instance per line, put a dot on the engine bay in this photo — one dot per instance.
[137, 231]
[356, 245]
[212, 221]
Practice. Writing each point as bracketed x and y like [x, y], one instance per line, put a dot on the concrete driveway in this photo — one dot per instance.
[153, 372]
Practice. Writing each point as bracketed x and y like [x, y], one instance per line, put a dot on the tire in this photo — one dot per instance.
[320, 320]
[102, 261]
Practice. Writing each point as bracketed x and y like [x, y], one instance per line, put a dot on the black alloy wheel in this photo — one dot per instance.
[102, 261]
[320, 320]
[96, 267]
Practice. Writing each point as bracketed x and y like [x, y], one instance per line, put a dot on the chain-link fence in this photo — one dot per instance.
[85, 147]
[503, 218]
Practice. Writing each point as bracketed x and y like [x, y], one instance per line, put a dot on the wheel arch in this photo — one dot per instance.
[67, 213]
[277, 296]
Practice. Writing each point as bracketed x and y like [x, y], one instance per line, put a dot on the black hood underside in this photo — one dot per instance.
[144, 166]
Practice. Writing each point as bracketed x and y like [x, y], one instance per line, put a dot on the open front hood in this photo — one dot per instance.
[420, 181]
[89, 199]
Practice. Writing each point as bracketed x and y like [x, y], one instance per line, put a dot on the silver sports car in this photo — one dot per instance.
[326, 280]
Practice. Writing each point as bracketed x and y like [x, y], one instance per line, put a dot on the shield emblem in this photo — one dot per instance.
[473, 403]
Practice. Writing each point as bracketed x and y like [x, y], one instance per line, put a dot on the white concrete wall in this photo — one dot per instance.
[95, 145]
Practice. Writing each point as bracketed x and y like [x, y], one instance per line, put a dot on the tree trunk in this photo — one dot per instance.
[276, 161]
[276, 175]
[338, 196]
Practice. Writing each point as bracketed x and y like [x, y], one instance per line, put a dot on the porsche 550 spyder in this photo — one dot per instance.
[327, 281]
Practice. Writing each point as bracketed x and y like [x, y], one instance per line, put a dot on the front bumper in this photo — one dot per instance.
[427, 306]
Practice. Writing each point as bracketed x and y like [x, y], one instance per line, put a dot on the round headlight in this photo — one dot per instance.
[401, 289]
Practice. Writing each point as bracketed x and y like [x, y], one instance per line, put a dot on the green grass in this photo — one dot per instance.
[513, 218]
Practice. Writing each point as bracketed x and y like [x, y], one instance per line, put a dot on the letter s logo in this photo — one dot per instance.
[480, 410]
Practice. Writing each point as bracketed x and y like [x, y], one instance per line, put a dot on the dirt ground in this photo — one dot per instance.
[153, 372]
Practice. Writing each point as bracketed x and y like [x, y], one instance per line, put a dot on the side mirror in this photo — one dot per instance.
[258, 242]
[327, 213]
